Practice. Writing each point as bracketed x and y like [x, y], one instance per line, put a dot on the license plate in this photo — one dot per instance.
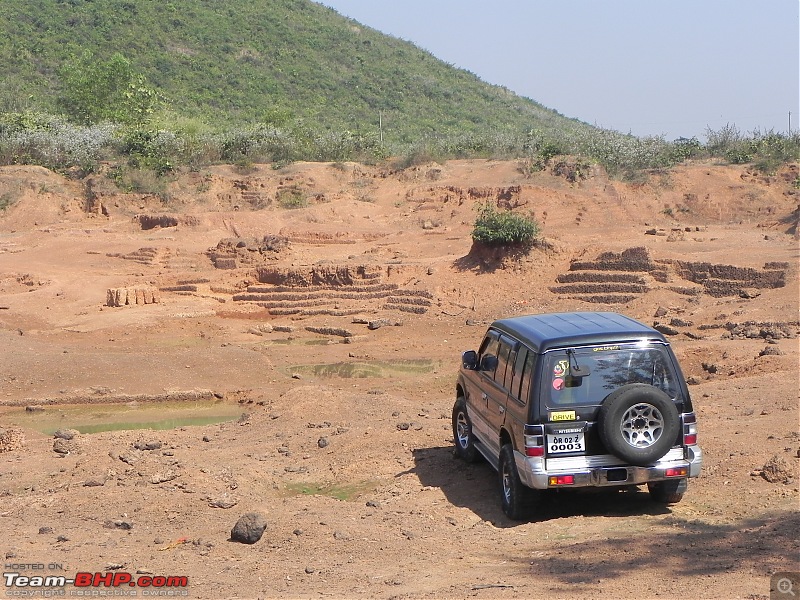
[572, 442]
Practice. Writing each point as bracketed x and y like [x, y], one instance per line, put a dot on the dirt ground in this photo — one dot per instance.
[327, 306]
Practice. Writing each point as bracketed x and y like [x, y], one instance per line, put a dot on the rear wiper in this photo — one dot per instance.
[576, 370]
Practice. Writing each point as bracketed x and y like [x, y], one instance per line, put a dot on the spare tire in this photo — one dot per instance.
[638, 423]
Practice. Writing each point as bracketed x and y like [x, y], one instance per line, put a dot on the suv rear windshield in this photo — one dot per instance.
[610, 367]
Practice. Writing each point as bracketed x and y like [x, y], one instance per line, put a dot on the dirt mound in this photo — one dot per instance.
[11, 439]
[232, 253]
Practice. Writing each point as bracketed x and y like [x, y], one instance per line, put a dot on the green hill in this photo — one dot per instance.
[246, 61]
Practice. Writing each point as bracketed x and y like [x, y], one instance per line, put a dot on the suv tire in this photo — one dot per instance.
[639, 423]
[667, 492]
[518, 500]
[462, 432]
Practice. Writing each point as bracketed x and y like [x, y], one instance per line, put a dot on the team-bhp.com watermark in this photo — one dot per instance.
[33, 580]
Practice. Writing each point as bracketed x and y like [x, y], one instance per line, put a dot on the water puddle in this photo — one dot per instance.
[358, 370]
[347, 492]
[300, 342]
[94, 418]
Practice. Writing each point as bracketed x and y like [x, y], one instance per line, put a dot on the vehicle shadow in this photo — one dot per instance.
[476, 487]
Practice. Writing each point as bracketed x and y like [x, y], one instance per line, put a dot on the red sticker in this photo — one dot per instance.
[558, 384]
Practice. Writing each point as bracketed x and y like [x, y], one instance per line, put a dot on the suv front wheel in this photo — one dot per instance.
[462, 432]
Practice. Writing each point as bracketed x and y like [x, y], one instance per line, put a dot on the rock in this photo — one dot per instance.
[11, 439]
[224, 501]
[129, 459]
[322, 442]
[665, 329]
[95, 482]
[249, 528]
[45, 530]
[66, 434]
[62, 446]
[163, 476]
[148, 445]
[661, 312]
[771, 351]
[681, 323]
[777, 470]
[33, 408]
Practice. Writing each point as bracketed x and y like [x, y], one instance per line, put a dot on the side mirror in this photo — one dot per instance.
[489, 363]
[470, 360]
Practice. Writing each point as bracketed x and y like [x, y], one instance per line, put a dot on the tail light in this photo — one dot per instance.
[534, 440]
[676, 472]
[689, 429]
[561, 480]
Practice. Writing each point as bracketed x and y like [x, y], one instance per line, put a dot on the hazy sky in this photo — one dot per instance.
[647, 67]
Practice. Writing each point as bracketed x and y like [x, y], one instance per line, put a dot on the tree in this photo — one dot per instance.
[95, 91]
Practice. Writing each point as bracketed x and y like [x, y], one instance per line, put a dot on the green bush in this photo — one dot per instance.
[291, 198]
[500, 228]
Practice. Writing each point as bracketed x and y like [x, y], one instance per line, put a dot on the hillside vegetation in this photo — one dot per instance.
[159, 85]
[237, 62]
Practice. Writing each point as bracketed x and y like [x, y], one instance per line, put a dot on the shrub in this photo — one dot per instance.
[6, 200]
[291, 198]
[499, 228]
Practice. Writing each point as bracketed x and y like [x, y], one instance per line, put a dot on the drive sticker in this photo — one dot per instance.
[564, 415]
[560, 368]
[558, 384]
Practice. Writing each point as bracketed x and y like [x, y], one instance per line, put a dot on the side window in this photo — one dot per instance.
[502, 361]
[519, 365]
[512, 361]
[527, 376]
[489, 346]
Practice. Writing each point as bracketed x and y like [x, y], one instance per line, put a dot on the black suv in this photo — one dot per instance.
[570, 400]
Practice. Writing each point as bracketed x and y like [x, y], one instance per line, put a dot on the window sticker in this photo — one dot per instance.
[561, 368]
[558, 384]
[563, 415]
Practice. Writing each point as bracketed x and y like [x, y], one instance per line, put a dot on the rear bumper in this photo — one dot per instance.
[606, 470]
